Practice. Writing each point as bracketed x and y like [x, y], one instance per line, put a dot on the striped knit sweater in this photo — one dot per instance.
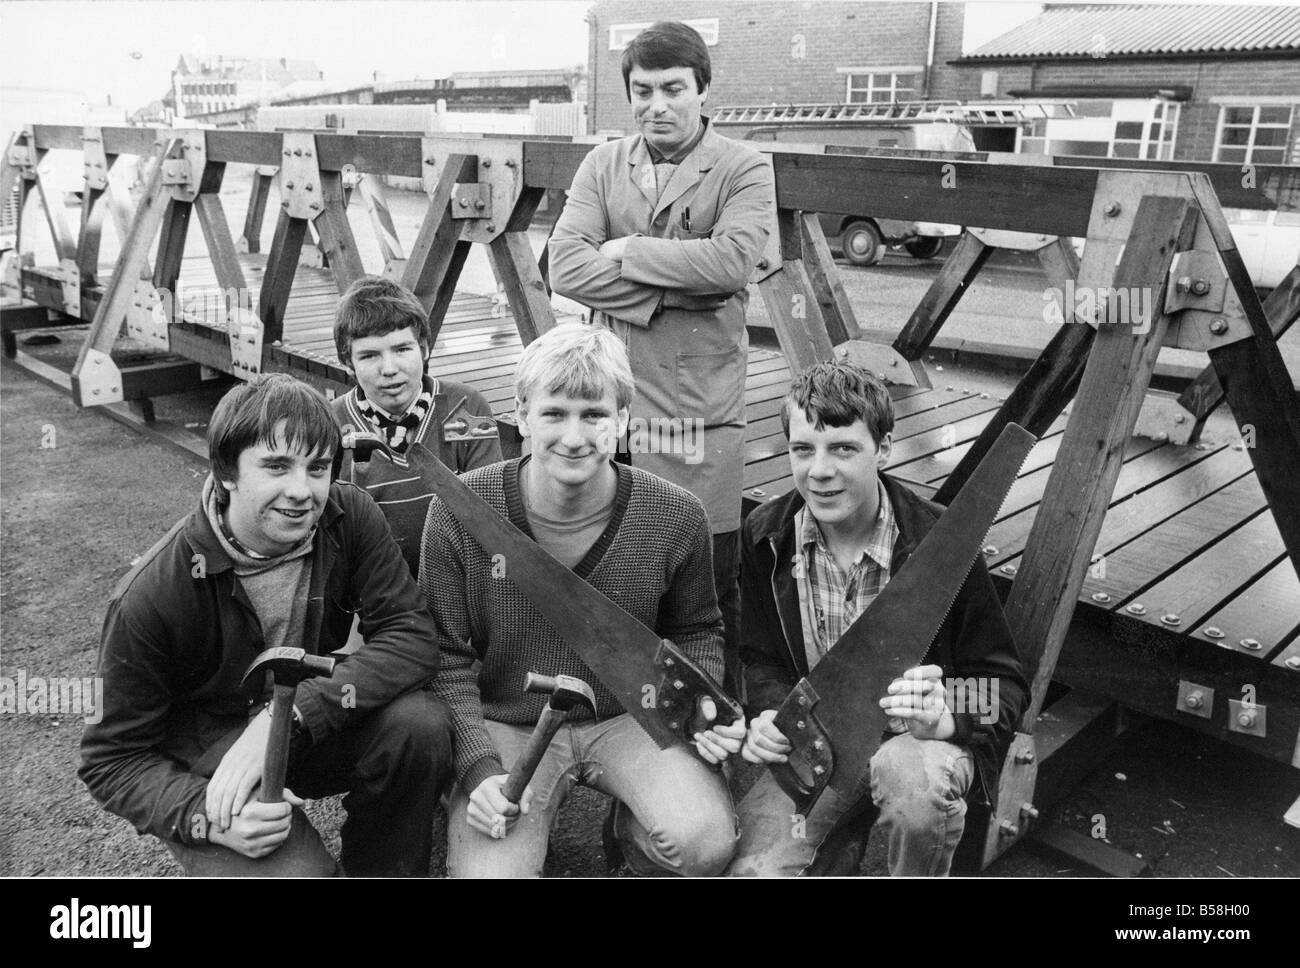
[654, 559]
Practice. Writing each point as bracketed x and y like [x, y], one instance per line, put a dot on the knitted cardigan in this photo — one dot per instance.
[654, 559]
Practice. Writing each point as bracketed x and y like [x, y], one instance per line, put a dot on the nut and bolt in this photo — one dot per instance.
[1025, 757]
[1211, 632]
[1112, 209]
[1246, 718]
[1007, 829]
[1137, 608]
[1218, 326]
[1251, 644]
[1194, 700]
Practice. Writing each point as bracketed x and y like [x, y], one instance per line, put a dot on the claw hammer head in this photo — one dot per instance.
[288, 667]
[566, 692]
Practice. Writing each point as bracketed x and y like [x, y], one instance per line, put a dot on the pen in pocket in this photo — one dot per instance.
[686, 218]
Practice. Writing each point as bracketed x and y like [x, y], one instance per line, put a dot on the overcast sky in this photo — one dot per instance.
[127, 49]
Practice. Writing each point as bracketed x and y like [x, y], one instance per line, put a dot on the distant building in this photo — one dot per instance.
[509, 91]
[785, 53]
[228, 82]
[1194, 82]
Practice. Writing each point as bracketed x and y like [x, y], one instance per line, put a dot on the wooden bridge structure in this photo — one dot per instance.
[1144, 565]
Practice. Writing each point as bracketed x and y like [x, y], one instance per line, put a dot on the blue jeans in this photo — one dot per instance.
[677, 815]
[918, 788]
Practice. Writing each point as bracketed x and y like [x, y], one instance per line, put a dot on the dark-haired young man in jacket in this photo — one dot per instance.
[811, 563]
[275, 555]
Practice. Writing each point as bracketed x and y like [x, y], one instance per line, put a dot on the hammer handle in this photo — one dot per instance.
[522, 772]
[276, 764]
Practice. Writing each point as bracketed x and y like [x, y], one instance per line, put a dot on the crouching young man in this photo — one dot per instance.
[811, 563]
[274, 555]
[642, 541]
[382, 335]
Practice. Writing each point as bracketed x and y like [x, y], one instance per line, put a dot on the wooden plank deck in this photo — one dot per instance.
[1188, 551]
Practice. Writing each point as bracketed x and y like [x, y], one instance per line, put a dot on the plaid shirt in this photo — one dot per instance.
[830, 600]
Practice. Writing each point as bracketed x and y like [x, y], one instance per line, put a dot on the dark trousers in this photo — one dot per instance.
[726, 579]
[392, 765]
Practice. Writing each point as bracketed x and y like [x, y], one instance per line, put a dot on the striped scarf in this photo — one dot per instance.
[397, 432]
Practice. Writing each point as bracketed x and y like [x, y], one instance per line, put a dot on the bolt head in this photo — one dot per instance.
[990, 551]
[487, 162]
[1293, 662]
[1251, 644]
[1101, 598]
[1218, 326]
[1137, 609]
[1193, 700]
[1170, 619]
[1112, 209]
[1246, 719]
[1211, 632]
[1008, 569]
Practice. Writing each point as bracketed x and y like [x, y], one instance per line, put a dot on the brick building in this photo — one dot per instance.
[1205, 82]
[202, 87]
[786, 53]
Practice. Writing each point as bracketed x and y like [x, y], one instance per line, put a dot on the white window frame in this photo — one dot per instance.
[1255, 105]
[620, 35]
[892, 72]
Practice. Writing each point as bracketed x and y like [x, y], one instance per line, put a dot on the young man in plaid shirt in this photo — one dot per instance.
[811, 563]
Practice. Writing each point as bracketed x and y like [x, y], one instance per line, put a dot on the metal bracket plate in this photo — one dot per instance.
[94, 161]
[1205, 329]
[1247, 717]
[300, 191]
[245, 332]
[500, 166]
[471, 200]
[146, 317]
[884, 361]
[22, 155]
[1010, 819]
[1006, 239]
[1163, 418]
[183, 174]
[1196, 281]
[1195, 699]
[71, 279]
[100, 380]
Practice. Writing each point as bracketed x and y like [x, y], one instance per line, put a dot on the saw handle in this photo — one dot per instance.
[524, 767]
[683, 687]
[810, 748]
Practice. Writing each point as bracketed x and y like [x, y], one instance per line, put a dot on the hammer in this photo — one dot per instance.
[287, 667]
[566, 692]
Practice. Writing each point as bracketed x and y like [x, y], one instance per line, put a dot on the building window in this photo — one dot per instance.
[620, 35]
[1095, 128]
[1253, 133]
[880, 86]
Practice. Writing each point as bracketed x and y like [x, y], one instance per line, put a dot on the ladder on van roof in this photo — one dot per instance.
[891, 112]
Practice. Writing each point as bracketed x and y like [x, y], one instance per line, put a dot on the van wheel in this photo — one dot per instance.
[926, 247]
[862, 243]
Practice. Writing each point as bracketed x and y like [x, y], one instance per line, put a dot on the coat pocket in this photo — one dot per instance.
[711, 386]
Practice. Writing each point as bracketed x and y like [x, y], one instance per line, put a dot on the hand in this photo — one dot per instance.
[718, 742]
[259, 828]
[695, 302]
[490, 813]
[239, 771]
[920, 699]
[764, 743]
[613, 249]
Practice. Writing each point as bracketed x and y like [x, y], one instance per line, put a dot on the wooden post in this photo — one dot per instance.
[959, 270]
[791, 304]
[251, 240]
[110, 315]
[277, 281]
[837, 311]
[336, 234]
[1082, 480]
[517, 271]
[216, 233]
[437, 248]
[52, 205]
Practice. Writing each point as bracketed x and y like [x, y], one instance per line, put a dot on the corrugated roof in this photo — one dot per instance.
[1079, 30]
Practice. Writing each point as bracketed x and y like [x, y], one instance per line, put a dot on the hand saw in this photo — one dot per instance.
[832, 717]
[659, 686]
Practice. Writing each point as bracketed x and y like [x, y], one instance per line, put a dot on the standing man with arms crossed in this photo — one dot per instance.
[659, 235]
[275, 555]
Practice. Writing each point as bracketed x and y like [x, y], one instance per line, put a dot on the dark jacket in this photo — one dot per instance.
[974, 640]
[180, 633]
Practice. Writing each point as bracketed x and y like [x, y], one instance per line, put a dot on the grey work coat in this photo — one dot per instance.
[704, 234]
